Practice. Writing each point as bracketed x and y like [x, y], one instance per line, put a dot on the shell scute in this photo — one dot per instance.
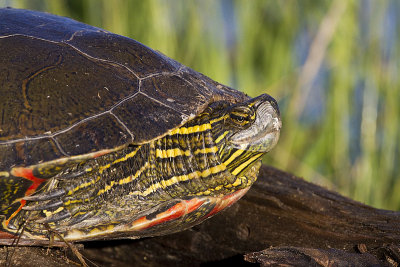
[148, 118]
[41, 25]
[139, 59]
[89, 137]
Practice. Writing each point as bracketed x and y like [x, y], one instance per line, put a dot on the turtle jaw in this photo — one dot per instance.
[264, 133]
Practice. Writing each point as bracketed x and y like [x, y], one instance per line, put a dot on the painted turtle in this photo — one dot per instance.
[103, 137]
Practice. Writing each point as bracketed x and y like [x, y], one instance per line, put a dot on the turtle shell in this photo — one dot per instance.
[71, 89]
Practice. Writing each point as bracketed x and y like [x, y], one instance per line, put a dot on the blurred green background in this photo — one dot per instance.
[333, 66]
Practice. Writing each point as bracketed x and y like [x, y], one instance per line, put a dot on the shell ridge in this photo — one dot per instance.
[101, 59]
[161, 103]
[75, 34]
[123, 125]
[52, 135]
[59, 147]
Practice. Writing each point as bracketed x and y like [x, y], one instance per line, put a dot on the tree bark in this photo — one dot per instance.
[283, 220]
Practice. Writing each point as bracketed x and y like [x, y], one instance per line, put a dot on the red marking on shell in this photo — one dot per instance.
[194, 204]
[101, 153]
[5, 235]
[176, 211]
[227, 201]
[185, 207]
[26, 173]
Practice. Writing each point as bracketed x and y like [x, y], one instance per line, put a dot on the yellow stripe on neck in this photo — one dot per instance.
[242, 166]
[191, 129]
[125, 180]
[236, 154]
[124, 158]
[180, 178]
[175, 152]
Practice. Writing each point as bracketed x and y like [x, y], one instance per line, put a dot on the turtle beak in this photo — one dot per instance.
[263, 134]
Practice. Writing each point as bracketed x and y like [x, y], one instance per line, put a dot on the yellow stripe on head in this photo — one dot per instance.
[218, 119]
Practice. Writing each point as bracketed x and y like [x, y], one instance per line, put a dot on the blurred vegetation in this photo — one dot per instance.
[332, 65]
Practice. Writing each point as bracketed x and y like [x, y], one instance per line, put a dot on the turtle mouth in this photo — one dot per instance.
[264, 133]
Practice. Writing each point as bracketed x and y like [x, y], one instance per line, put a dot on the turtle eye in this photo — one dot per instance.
[241, 116]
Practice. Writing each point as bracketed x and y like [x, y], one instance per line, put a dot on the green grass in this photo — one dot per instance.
[340, 124]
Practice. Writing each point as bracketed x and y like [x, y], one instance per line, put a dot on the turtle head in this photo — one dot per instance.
[247, 131]
[255, 124]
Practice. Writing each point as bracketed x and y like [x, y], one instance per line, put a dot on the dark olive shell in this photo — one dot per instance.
[69, 89]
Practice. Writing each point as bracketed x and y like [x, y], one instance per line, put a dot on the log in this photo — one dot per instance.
[282, 220]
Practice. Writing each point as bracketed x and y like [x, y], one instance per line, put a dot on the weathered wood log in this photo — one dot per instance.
[282, 220]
